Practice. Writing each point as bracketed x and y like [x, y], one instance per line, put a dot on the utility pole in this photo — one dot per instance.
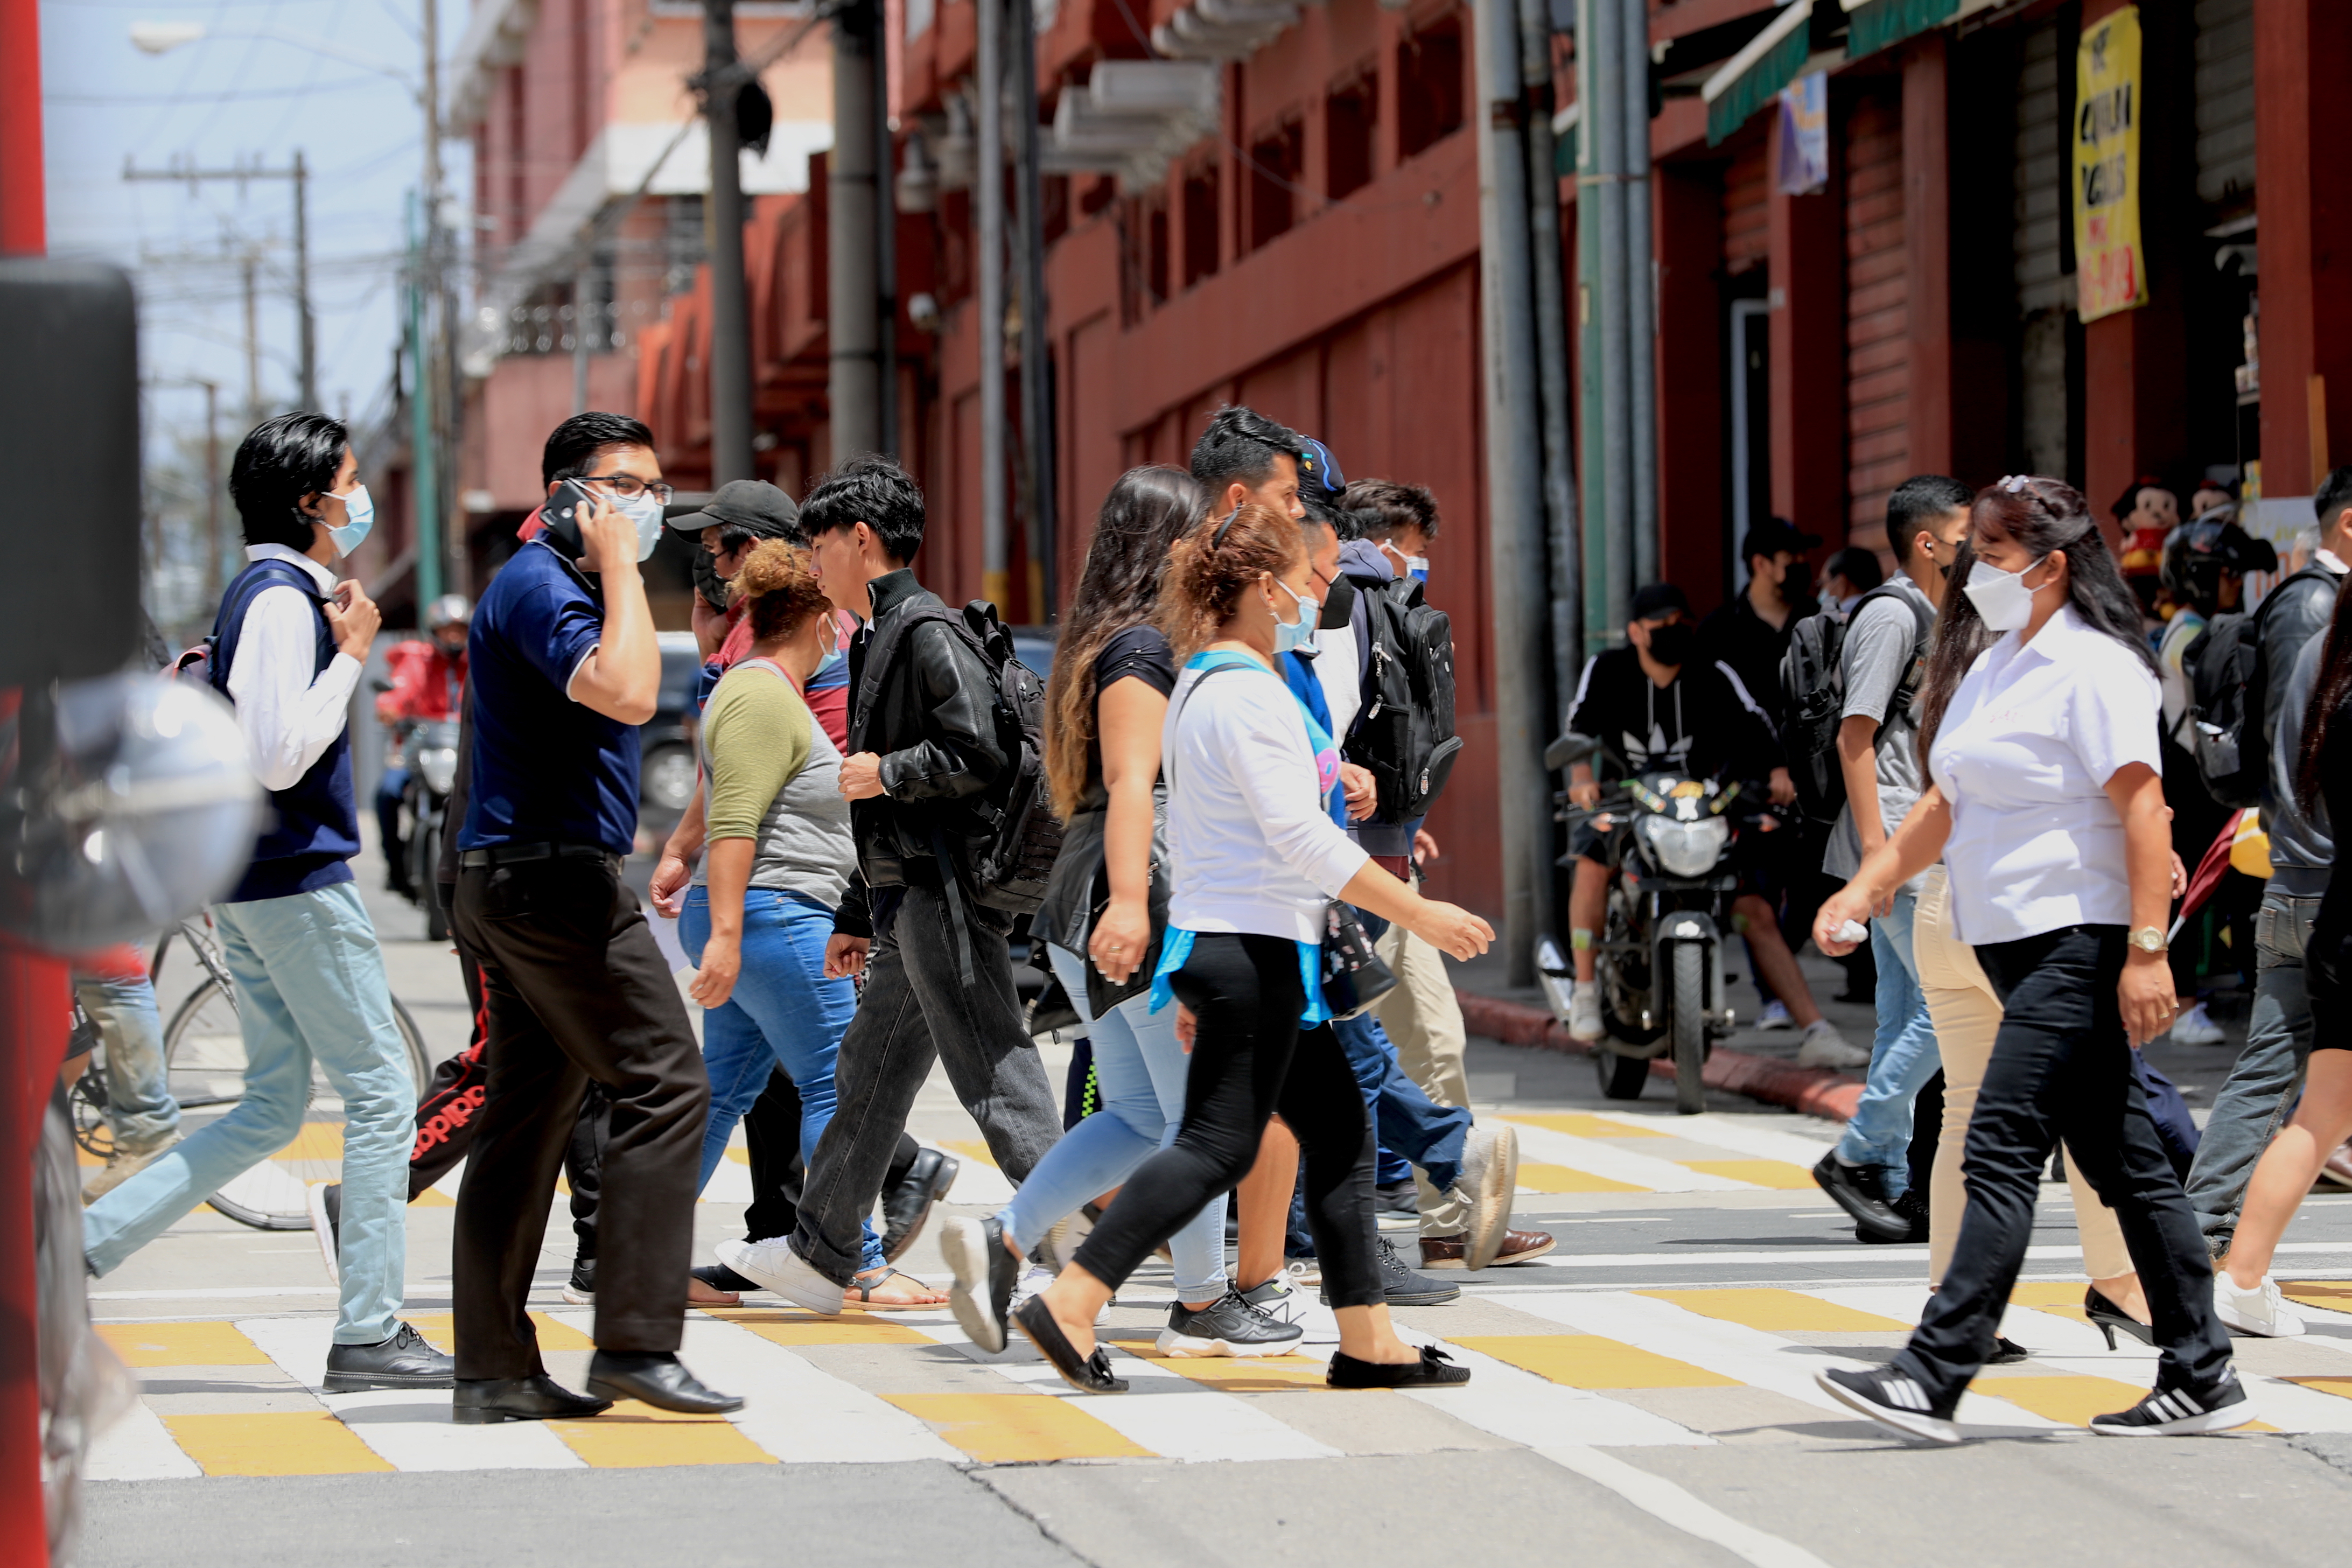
[423, 467]
[730, 330]
[1036, 335]
[1551, 355]
[885, 248]
[854, 379]
[215, 545]
[988, 174]
[1639, 306]
[252, 344]
[298, 175]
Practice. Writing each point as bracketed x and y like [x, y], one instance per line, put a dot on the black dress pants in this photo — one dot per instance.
[2061, 1068]
[574, 989]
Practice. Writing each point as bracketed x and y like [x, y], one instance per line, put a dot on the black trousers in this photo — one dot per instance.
[771, 1128]
[2061, 1068]
[1250, 1060]
[574, 990]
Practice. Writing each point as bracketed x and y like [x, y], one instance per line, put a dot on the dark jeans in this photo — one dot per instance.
[575, 989]
[773, 1130]
[1408, 1122]
[916, 1010]
[388, 790]
[2062, 1067]
[1250, 1060]
[2263, 1085]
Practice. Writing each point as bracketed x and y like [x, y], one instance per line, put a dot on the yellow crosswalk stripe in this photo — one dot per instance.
[1777, 1175]
[1591, 1361]
[632, 1436]
[970, 1148]
[181, 1344]
[273, 1443]
[1536, 1176]
[1579, 1125]
[1018, 1429]
[2071, 1399]
[1244, 1375]
[2331, 1295]
[1776, 1311]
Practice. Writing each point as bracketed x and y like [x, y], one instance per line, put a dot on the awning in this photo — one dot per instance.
[1752, 78]
[1875, 25]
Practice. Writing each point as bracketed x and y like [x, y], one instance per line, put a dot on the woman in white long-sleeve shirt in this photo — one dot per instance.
[1256, 855]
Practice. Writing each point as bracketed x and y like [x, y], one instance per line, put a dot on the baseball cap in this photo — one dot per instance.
[1775, 535]
[1318, 468]
[1656, 599]
[754, 506]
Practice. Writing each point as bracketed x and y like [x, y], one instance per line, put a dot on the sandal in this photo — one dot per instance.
[861, 1288]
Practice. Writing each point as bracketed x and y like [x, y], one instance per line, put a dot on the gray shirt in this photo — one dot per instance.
[1877, 655]
[2303, 847]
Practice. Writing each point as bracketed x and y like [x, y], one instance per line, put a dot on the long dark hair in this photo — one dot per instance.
[2334, 688]
[1140, 519]
[2044, 515]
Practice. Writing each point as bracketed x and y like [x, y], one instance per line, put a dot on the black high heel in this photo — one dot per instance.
[2106, 1317]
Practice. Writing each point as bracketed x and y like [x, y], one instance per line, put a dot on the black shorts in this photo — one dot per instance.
[2327, 979]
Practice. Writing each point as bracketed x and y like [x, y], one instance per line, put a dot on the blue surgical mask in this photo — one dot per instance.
[359, 514]
[646, 513]
[1292, 635]
[1418, 565]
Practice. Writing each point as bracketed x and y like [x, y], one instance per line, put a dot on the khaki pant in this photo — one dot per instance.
[1424, 1020]
[1968, 1016]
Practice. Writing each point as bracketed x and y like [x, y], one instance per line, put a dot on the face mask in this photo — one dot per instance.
[2001, 598]
[1671, 643]
[1298, 632]
[646, 513]
[1418, 565]
[359, 512]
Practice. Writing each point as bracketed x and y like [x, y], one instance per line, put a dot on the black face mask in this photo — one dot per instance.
[707, 580]
[1672, 643]
[1338, 603]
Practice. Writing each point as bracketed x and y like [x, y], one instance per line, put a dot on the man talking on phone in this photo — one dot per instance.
[564, 668]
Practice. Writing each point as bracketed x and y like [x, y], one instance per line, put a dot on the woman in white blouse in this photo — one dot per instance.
[2046, 805]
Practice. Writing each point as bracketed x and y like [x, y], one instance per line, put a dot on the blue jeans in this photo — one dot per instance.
[1425, 1133]
[2262, 1088]
[1141, 1072]
[784, 1014]
[1901, 1059]
[139, 1110]
[309, 986]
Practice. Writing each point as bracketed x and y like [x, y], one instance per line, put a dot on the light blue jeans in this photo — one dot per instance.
[309, 986]
[1901, 1059]
[139, 1110]
[784, 1013]
[1141, 1070]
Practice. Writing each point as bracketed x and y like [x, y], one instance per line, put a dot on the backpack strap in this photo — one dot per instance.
[229, 623]
[1915, 670]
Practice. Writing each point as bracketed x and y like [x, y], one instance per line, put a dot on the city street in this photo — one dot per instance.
[1645, 1391]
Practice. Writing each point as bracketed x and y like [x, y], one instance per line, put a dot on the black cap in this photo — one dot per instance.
[1775, 535]
[755, 506]
[1656, 599]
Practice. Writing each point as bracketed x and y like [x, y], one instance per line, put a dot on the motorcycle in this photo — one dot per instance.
[429, 752]
[1658, 959]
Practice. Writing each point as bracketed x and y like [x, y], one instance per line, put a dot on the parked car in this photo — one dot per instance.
[667, 765]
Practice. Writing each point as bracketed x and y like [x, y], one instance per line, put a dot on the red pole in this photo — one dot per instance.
[24, 217]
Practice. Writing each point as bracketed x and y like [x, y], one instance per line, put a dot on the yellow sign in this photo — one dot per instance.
[2110, 267]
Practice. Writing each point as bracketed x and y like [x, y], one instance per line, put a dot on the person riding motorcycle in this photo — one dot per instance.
[1658, 705]
[428, 682]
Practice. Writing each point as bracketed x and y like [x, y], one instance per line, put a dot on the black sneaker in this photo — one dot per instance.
[1912, 1206]
[1227, 1326]
[1892, 1398]
[2182, 1411]
[580, 1288]
[718, 1277]
[1402, 1286]
[404, 1361]
[1861, 1191]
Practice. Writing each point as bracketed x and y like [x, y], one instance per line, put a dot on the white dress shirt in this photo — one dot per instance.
[290, 709]
[2026, 748]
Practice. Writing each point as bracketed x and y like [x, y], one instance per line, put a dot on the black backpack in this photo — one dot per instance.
[1404, 732]
[2227, 688]
[1812, 680]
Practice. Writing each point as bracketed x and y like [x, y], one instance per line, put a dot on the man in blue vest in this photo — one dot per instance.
[289, 645]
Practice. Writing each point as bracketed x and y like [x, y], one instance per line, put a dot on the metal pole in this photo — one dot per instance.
[1606, 125]
[423, 467]
[886, 248]
[1551, 352]
[1517, 523]
[855, 384]
[1036, 334]
[252, 347]
[730, 335]
[989, 171]
[580, 284]
[215, 547]
[302, 282]
[1591, 419]
[1641, 287]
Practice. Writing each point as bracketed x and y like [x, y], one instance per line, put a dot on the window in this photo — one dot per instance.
[1200, 223]
[1349, 117]
[1143, 255]
[1431, 102]
[1276, 162]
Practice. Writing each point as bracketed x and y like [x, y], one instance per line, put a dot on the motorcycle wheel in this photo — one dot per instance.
[428, 893]
[1621, 1076]
[1687, 1017]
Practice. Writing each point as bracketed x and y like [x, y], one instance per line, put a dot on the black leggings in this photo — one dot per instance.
[1250, 1059]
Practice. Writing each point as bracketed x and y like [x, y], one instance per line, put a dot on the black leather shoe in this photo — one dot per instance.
[486, 1401]
[404, 1361]
[660, 1380]
[1859, 1190]
[906, 1208]
[718, 1277]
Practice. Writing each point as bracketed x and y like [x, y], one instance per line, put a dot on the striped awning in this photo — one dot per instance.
[1875, 25]
[1755, 76]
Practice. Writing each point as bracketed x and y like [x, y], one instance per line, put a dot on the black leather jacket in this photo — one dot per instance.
[931, 716]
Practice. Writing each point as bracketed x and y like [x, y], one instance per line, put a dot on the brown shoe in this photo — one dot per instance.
[1518, 1247]
[2337, 1171]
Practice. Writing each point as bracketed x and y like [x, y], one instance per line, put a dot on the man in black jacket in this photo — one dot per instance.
[938, 978]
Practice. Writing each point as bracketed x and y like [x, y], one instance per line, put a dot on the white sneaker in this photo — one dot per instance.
[1490, 1179]
[1281, 1299]
[2196, 1027]
[1825, 1048]
[1584, 1013]
[1775, 1015]
[2264, 1313]
[774, 1266]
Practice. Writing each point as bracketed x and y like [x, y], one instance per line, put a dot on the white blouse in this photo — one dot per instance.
[2026, 748]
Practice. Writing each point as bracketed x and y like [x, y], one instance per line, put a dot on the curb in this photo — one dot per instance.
[1816, 1092]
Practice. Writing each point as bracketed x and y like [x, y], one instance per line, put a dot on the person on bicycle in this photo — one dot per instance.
[428, 682]
[289, 644]
[1659, 705]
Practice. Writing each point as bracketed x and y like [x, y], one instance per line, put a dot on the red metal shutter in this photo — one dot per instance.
[1877, 325]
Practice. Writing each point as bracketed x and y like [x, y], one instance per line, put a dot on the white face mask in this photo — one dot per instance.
[646, 513]
[2000, 597]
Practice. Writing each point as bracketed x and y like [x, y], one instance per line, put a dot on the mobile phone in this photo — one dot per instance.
[571, 503]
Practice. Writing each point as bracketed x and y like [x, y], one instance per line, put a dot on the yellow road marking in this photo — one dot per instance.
[2055, 1296]
[317, 1140]
[632, 1436]
[181, 1344]
[1589, 1361]
[2339, 1386]
[1536, 1176]
[1778, 1175]
[970, 1148]
[1576, 1124]
[433, 1198]
[273, 1443]
[1784, 1311]
[2073, 1400]
[1236, 1375]
[439, 1329]
[741, 1156]
[2332, 1295]
[858, 1331]
[1014, 1428]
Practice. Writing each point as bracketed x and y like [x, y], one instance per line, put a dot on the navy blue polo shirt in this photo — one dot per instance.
[546, 769]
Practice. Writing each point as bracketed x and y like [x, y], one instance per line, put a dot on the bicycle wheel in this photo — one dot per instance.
[204, 1062]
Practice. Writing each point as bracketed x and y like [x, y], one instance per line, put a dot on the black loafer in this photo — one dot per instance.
[659, 1380]
[1090, 1374]
[1435, 1369]
[486, 1401]
[906, 1208]
[718, 1277]
[404, 1361]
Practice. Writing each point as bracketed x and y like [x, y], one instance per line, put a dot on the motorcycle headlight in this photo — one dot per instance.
[437, 765]
[1685, 848]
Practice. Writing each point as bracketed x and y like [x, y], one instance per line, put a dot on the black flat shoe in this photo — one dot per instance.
[2006, 1352]
[718, 1277]
[659, 1380]
[2106, 1317]
[486, 1401]
[906, 1208]
[1435, 1369]
[1090, 1374]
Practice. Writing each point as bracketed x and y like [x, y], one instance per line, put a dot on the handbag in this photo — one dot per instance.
[1355, 976]
[1102, 993]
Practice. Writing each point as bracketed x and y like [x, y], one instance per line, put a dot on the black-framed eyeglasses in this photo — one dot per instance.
[629, 487]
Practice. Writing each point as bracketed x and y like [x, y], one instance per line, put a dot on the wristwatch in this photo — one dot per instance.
[2148, 939]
